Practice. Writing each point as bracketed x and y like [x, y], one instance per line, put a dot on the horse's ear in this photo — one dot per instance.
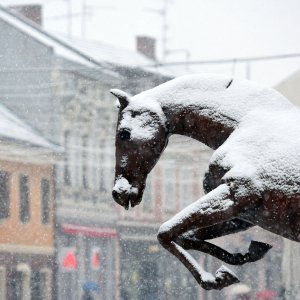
[122, 97]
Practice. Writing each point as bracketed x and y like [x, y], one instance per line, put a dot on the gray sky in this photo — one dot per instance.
[208, 29]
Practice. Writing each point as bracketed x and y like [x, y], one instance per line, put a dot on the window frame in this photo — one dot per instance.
[45, 213]
[4, 192]
[24, 199]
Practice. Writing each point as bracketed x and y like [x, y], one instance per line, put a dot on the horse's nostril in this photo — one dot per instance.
[115, 194]
[117, 197]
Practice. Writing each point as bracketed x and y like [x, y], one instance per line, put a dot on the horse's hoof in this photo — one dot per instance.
[257, 250]
[225, 277]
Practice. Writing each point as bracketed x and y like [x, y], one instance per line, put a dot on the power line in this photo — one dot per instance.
[47, 69]
[225, 61]
[161, 64]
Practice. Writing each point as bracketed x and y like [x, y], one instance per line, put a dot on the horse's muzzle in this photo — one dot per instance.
[125, 199]
[126, 194]
[121, 198]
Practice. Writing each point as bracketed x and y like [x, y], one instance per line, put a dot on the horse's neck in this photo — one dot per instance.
[209, 127]
[209, 108]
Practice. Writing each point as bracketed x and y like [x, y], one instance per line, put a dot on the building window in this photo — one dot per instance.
[21, 283]
[17, 285]
[76, 161]
[45, 188]
[2, 282]
[169, 192]
[41, 285]
[45, 284]
[84, 162]
[186, 197]
[101, 167]
[67, 175]
[147, 198]
[4, 195]
[24, 199]
[36, 286]
[96, 166]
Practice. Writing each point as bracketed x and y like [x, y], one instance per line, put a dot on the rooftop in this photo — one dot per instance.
[14, 129]
[92, 54]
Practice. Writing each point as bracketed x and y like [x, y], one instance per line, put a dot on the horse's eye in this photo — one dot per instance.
[124, 134]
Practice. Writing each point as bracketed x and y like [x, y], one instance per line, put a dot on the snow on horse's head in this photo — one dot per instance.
[141, 137]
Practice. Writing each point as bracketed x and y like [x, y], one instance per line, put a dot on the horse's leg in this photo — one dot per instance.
[195, 240]
[217, 206]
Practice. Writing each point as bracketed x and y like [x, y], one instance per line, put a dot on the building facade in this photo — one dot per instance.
[27, 253]
[61, 89]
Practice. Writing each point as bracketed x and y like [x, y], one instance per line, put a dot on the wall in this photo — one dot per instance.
[25, 83]
[33, 233]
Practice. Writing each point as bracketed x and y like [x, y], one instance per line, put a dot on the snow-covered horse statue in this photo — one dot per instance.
[253, 176]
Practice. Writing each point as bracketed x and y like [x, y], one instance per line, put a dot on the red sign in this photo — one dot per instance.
[95, 259]
[69, 260]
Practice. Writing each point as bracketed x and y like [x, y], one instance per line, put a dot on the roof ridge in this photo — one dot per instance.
[84, 57]
[8, 116]
[105, 44]
[49, 35]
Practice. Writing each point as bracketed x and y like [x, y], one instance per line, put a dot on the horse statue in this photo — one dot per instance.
[253, 176]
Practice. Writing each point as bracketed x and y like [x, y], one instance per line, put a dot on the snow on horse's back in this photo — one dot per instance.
[233, 97]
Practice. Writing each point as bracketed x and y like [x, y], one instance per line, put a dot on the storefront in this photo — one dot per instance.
[88, 261]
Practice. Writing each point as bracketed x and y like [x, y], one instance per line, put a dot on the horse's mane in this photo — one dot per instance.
[232, 97]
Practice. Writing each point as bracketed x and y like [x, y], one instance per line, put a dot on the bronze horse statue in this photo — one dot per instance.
[253, 176]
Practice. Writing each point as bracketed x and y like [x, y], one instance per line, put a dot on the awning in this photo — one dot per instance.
[99, 232]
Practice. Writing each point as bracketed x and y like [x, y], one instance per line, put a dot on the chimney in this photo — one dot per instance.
[146, 46]
[32, 12]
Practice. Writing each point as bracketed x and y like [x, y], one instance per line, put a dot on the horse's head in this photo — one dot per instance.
[141, 137]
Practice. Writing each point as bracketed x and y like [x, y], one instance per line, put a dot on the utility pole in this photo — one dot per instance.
[83, 20]
[86, 10]
[69, 18]
[163, 12]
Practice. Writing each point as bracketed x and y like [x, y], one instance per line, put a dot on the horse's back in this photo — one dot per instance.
[266, 148]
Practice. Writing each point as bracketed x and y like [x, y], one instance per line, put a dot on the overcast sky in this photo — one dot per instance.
[208, 29]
